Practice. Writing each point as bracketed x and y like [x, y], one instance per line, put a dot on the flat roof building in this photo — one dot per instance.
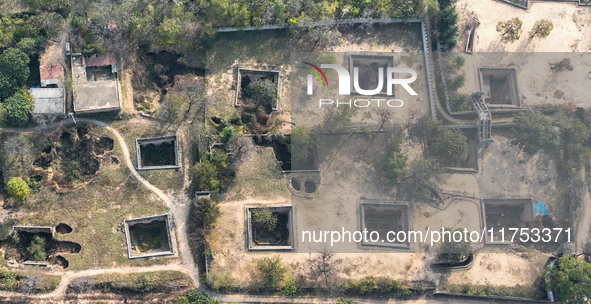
[96, 84]
[49, 101]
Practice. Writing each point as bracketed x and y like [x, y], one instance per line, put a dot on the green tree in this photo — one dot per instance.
[542, 28]
[450, 147]
[17, 109]
[7, 280]
[167, 31]
[263, 218]
[263, 92]
[575, 132]
[454, 252]
[395, 166]
[206, 177]
[460, 102]
[18, 189]
[36, 250]
[533, 131]
[301, 142]
[571, 280]
[291, 288]
[14, 71]
[510, 30]
[271, 271]
[227, 133]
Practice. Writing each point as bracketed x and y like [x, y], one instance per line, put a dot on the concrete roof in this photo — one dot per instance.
[48, 100]
[96, 96]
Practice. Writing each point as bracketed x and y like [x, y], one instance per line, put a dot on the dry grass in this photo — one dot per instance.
[94, 212]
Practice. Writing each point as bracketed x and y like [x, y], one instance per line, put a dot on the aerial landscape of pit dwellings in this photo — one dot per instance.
[199, 152]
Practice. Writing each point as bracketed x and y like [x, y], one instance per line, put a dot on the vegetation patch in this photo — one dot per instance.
[74, 156]
[158, 281]
[258, 95]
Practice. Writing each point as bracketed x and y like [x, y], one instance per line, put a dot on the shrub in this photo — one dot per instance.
[460, 102]
[18, 189]
[363, 286]
[207, 212]
[534, 131]
[197, 297]
[450, 147]
[510, 30]
[290, 289]
[395, 166]
[205, 177]
[248, 118]
[457, 82]
[227, 133]
[263, 218]
[454, 252]
[36, 250]
[271, 271]
[92, 49]
[345, 301]
[301, 142]
[542, 28]
[263, 92]
[7, 280]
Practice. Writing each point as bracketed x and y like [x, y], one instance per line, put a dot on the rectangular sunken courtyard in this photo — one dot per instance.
[278, 236]
[384, 217]
[506, 213]
[500, 87]
[247, 77]
[368, 67]
[148, 237]
[157, 153]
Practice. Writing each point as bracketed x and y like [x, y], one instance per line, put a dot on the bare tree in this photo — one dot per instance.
[188, 99]
[366, 23]
[83, 285]
[44, 119]
[31, 282]
[324, 265]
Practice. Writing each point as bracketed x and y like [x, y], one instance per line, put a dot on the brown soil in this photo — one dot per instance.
[73, 158]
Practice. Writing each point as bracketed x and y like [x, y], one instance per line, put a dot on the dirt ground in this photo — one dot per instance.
[345, 183]
[570, 33]
[538, 85]
[268, 53]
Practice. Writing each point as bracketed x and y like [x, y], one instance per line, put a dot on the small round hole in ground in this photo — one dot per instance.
[61, 261]
[63, 228]
[295, 183]
[310, 186]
